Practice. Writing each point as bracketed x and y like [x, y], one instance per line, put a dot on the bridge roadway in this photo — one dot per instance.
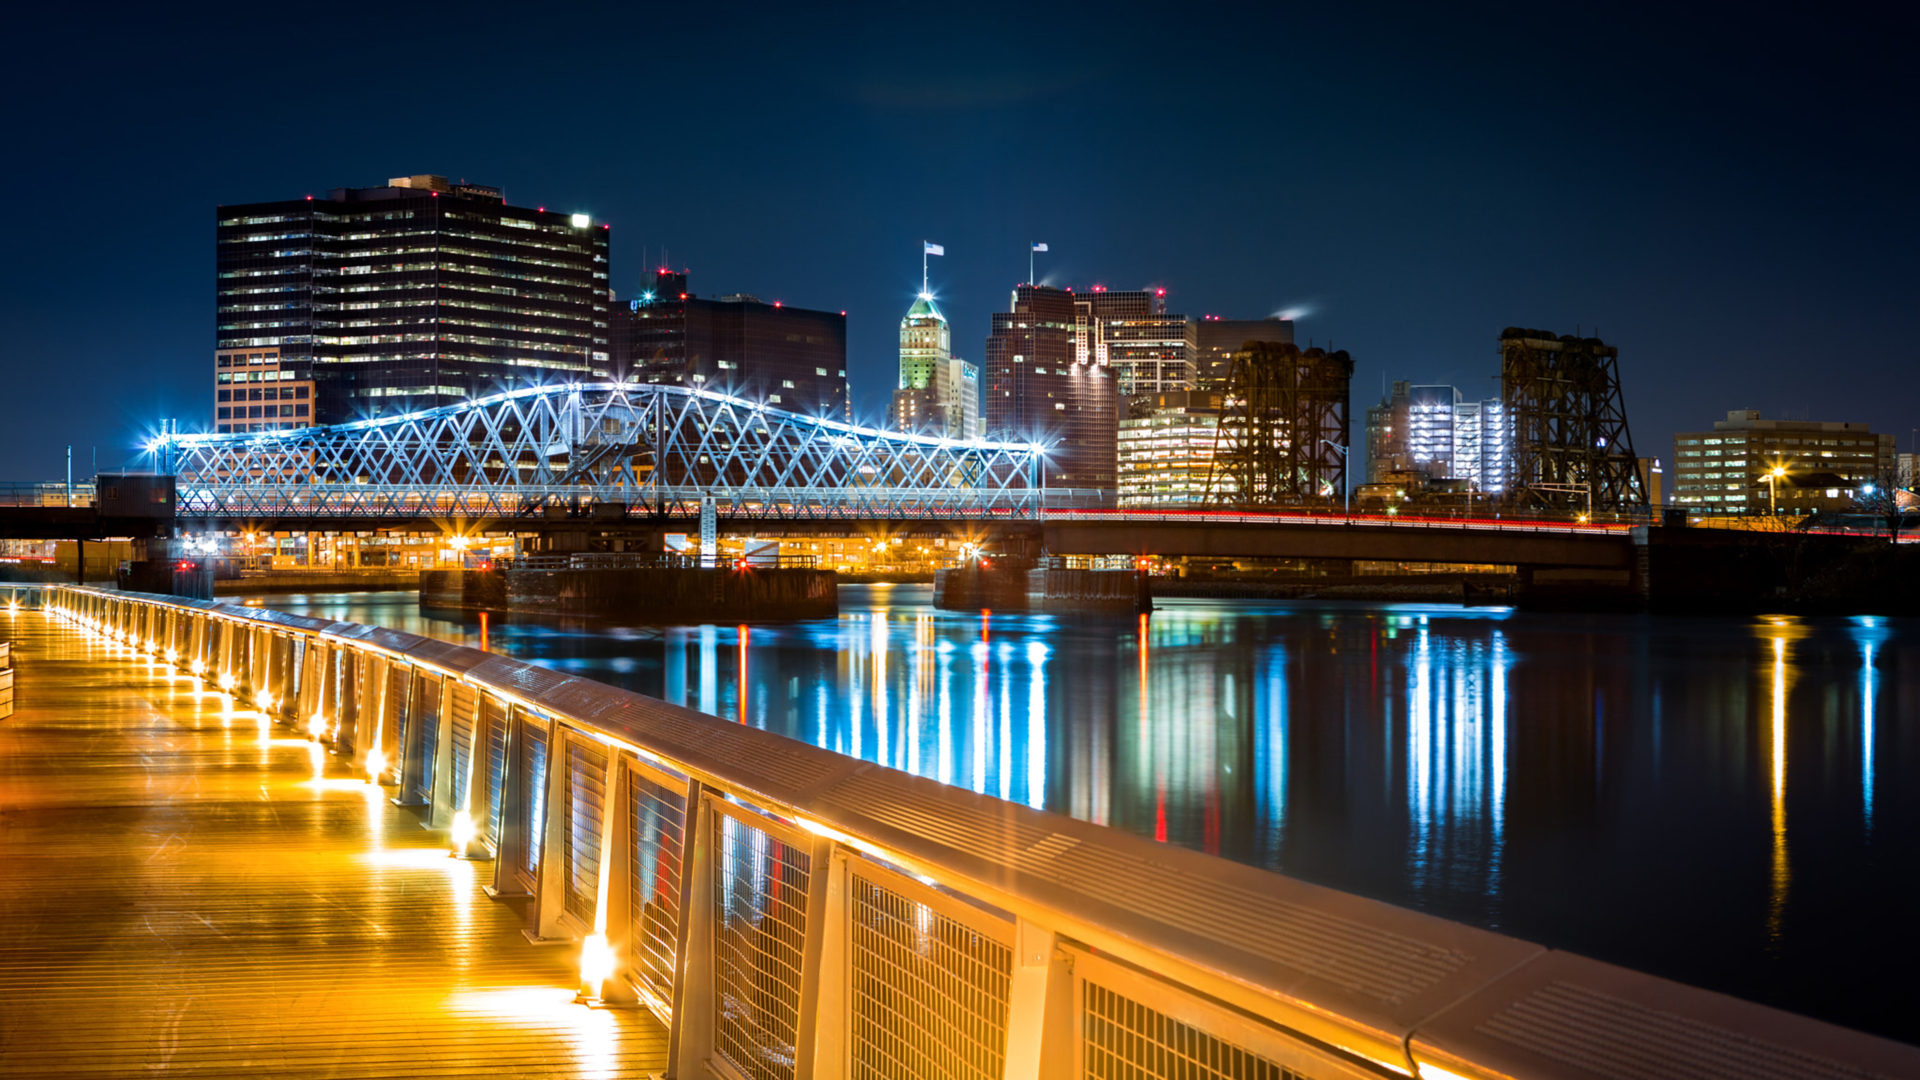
[1168, 533]
[188, 890]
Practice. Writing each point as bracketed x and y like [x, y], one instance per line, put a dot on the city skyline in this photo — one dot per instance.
[1425, 223]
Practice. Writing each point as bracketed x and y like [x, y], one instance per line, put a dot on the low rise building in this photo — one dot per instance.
[1747, 465]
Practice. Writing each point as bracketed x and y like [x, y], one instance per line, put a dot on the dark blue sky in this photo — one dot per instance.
[1725, 193]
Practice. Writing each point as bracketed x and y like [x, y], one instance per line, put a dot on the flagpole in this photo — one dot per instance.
[923, 268]
[1029, 264]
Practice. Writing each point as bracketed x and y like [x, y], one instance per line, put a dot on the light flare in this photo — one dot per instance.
[462, 832]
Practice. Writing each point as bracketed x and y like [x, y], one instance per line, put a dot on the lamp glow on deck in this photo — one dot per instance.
[376, 764]
[264, 700]
[462, 831]
[171, 656]
[596, 964]
[316, 725]
[199, 667]
[226, 681]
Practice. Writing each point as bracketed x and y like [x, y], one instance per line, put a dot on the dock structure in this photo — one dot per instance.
[192, 890]
[211, 828]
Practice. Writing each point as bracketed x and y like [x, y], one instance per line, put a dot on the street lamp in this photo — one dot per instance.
[1773, 475]
[1346, 478]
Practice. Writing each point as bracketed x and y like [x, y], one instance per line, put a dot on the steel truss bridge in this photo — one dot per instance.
[607, 448]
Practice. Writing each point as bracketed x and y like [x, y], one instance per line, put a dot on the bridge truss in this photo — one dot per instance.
[609, 448]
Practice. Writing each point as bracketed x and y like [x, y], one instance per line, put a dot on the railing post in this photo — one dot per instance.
[690, 1041]
[822, 1049]
[615, 899]
[550, 890]
[1039, 1006]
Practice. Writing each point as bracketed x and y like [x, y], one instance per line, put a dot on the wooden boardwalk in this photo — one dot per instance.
[184, 891]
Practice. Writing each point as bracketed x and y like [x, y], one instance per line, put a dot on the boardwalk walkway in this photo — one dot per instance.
[184, 891]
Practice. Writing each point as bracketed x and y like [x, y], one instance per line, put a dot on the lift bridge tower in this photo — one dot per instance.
[1283, 430]
[1571, 448]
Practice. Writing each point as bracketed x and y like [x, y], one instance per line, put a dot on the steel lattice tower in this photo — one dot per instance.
[1562, 395]
[1283, 405]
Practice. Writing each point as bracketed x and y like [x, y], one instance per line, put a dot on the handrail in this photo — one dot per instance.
[784, 882]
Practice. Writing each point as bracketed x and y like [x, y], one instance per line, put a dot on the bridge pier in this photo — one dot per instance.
[649, 593]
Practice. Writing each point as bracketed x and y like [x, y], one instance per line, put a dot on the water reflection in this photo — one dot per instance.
[1616, 785]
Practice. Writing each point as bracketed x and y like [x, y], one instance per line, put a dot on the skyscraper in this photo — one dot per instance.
[939, 393]
[390, 299]
[1046, 383]
[1130, 333]
[788, 357]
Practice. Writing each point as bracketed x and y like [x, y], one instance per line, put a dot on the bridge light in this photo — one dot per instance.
[316, 724]
[376, 764]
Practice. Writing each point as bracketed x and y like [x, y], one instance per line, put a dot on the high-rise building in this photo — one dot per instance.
[1166, 449]
[1131, 333]
[1387, 425]
[1430, 428]
[1435, 431]
[939, 393]
[1483, 445]
[390, 299]
[791, 358]
[1217, 339]
[1813, 465]
[1045, 383]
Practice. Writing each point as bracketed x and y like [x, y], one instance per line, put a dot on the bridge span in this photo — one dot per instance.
[779, 911]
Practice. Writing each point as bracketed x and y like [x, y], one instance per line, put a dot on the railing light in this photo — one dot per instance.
[316, 725]
[462, 831]
[199, 668]
[170, 656]
[264, 700]
[376, 764]
[596, 964]
[226, 681]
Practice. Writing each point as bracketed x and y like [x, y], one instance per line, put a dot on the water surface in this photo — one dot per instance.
[1724, 801]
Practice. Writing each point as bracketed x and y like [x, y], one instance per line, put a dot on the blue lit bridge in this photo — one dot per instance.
[656, 451]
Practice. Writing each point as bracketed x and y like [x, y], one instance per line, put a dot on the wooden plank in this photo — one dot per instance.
[188, 891]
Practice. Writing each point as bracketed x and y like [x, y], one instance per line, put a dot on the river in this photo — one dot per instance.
[1723, 801]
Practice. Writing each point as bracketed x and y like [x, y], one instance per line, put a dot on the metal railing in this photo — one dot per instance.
[49, 493]
[638, 560]
[794, 914]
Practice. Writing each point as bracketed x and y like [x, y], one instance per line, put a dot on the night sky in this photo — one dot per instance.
[1726, 195]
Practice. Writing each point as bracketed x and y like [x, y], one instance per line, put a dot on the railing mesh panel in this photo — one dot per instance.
[533, 797]
[659, 821]
[1121, 1039]
[494, 716]
[929, 992]
[760, 894]
[586, 809]
[463, 706]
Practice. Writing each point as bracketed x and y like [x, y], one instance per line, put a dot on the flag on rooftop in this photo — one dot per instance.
[933, 248]
[1039, 247]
